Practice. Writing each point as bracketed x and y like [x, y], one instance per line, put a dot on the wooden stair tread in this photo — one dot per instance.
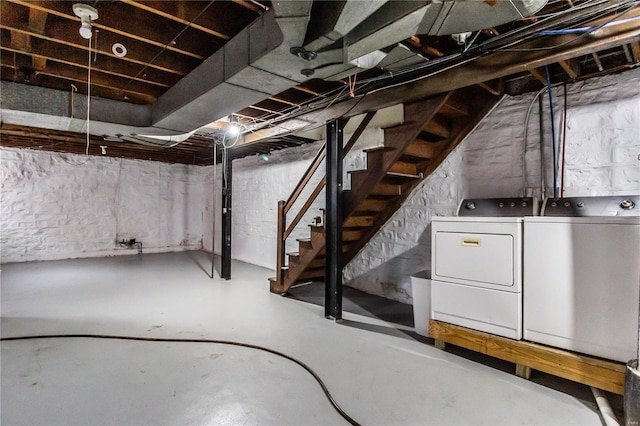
[438, 126]
[294, 254]
[379, 149]
[303, 240]
[422, 149]
[403, 167]
[403, 175]
[358, 221]
[455, 106]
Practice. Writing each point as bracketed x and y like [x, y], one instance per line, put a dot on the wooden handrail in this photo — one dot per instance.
[284, 206]
[306, 206]
[356, 135]
[281, 241]
[305, 178]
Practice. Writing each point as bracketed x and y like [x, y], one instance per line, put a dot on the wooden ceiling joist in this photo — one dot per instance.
[635, 48]
[596, 59]
[572, 69]
[627, 53]
[176, 18]
[156, 33]
[539, 76]
[94, 68]
[494, 87]
[171, 67]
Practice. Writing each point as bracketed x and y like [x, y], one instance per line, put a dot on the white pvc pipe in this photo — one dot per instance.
[609, 417]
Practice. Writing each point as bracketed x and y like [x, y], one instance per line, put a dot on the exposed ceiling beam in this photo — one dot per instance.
[598, 62]
[73, 75]
[170, 67]
[572, 68]
[42, 58]
[176, 18]
[627, 53]
[494, 87]
[60, 9]
[635, 48]
[539, 76]
[266, 110]
[309, 91]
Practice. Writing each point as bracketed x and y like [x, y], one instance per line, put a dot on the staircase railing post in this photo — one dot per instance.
[281, 241]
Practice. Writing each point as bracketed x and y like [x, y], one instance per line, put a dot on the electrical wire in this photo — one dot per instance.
[88, 100]
[584, 34]
[330, 397]
[525, 182]
[564, 138]
[167, 45]
[553, 135]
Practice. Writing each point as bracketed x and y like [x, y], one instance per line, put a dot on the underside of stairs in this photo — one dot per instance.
[412, 151]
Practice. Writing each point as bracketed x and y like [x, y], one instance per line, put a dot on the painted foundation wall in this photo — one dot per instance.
[602, 157]
[59, 206]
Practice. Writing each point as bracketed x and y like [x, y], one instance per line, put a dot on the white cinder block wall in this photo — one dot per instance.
[602, 157]
[58, 206]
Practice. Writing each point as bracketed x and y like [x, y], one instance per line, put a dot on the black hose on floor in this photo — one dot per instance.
[333, 402]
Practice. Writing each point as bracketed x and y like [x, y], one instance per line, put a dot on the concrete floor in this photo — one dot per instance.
[377, 373]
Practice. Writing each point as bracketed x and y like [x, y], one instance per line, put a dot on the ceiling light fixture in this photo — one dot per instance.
[86, 14]
[233, 129]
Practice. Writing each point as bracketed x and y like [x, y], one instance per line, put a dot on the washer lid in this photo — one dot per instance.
[601, 206]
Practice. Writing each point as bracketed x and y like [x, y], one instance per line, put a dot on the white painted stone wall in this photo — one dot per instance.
[602, 157]
[57, 206]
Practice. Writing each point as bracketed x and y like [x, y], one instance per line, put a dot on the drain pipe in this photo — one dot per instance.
[609, 417]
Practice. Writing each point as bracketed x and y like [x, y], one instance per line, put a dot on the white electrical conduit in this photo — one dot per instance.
[606, 411]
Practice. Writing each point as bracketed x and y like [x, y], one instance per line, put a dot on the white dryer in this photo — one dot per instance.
[582, 275]
[476, 265]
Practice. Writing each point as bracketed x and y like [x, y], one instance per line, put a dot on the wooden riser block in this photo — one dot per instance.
[599, 373]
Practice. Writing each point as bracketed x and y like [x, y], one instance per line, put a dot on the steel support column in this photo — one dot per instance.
[225, 268]
[333, 221]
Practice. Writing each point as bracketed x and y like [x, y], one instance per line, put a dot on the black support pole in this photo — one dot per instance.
[333, 225]
[225, 268]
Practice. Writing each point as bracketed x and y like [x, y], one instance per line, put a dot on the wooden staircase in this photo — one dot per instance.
[411, 151]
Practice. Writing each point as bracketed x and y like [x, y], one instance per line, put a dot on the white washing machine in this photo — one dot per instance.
[476, 265]
[582, 275]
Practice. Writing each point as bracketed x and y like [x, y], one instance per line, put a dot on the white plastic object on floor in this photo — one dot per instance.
[421, 292]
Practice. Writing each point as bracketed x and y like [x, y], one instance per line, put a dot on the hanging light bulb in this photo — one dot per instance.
[86, 14]
[233, 129]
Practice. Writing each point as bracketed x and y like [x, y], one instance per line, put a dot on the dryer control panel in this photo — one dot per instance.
[498, 207]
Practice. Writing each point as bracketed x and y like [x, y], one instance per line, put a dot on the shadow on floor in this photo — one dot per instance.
[357, 302]
[401, 314]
